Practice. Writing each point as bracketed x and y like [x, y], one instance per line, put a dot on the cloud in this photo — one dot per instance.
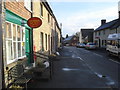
[91, 19]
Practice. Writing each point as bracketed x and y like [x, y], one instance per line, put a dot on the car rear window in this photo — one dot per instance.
[91, 44]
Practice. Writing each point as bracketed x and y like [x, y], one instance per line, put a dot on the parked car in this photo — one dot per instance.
[90, 45]
[80, 45]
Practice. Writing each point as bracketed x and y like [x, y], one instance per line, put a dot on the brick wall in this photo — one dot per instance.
[18, 8]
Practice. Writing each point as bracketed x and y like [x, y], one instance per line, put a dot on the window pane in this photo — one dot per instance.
[19, 49]
[23, 35]
[18, 33]
[15, 55]
[8, 30]
[14, 32]
[9, 50]
[23, 48]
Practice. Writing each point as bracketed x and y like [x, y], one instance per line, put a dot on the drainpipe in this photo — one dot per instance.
[2, 83]
[32, 56]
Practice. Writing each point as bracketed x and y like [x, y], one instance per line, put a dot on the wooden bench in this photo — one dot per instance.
[17, 75]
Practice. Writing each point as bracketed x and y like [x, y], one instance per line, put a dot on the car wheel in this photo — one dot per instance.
[108, 53]
[119, 56]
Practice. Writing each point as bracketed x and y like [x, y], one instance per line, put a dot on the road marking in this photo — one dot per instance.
[114, 61]
[73, 56]
[97, 55]
[69, 69]
[99, 75]
[80, 58]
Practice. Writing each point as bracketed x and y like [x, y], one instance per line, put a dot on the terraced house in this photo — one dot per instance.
[47, 37]
[102, 32]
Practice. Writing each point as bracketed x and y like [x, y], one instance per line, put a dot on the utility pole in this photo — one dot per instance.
[1, 50]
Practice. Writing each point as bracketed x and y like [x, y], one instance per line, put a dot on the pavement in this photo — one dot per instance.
[70, 72]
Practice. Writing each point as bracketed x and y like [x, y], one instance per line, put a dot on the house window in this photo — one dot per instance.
[15, 37]
[95, 33]
[27, 4]
[48, 18]
[51, 21]
[42, 42]
[103, 42]
[46, 41]
[103, 32]
[41, 9]
[99, 32]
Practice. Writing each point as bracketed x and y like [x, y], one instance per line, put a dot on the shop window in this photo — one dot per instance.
[15, 42]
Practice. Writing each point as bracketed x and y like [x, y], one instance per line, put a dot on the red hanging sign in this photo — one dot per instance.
[34, 22]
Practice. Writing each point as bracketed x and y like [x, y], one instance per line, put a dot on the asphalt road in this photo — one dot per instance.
[100, 63]
[81, 68]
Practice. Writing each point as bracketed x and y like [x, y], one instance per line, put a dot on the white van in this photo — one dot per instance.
[113, 44]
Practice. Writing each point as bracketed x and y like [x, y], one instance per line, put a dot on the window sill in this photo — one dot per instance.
[15, 60]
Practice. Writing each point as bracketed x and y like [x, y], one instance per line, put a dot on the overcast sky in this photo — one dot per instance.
[77, 14]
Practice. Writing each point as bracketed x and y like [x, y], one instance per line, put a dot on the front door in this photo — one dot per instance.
[29, 46]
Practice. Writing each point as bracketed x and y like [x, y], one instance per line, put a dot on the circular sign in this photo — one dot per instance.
[34, 22]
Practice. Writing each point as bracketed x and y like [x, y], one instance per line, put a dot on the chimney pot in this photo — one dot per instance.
[119, 14]
[103, 21]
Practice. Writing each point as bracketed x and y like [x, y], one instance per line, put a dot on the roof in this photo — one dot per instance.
[69, 38]
[111, 24]
[86, 32]
[117, 24]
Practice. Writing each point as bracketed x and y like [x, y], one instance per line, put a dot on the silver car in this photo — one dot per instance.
[90, 45]
[80, 45]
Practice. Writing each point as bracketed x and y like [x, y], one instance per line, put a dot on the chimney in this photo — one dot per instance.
[119, 9]
[119, 14]
[103, 21]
